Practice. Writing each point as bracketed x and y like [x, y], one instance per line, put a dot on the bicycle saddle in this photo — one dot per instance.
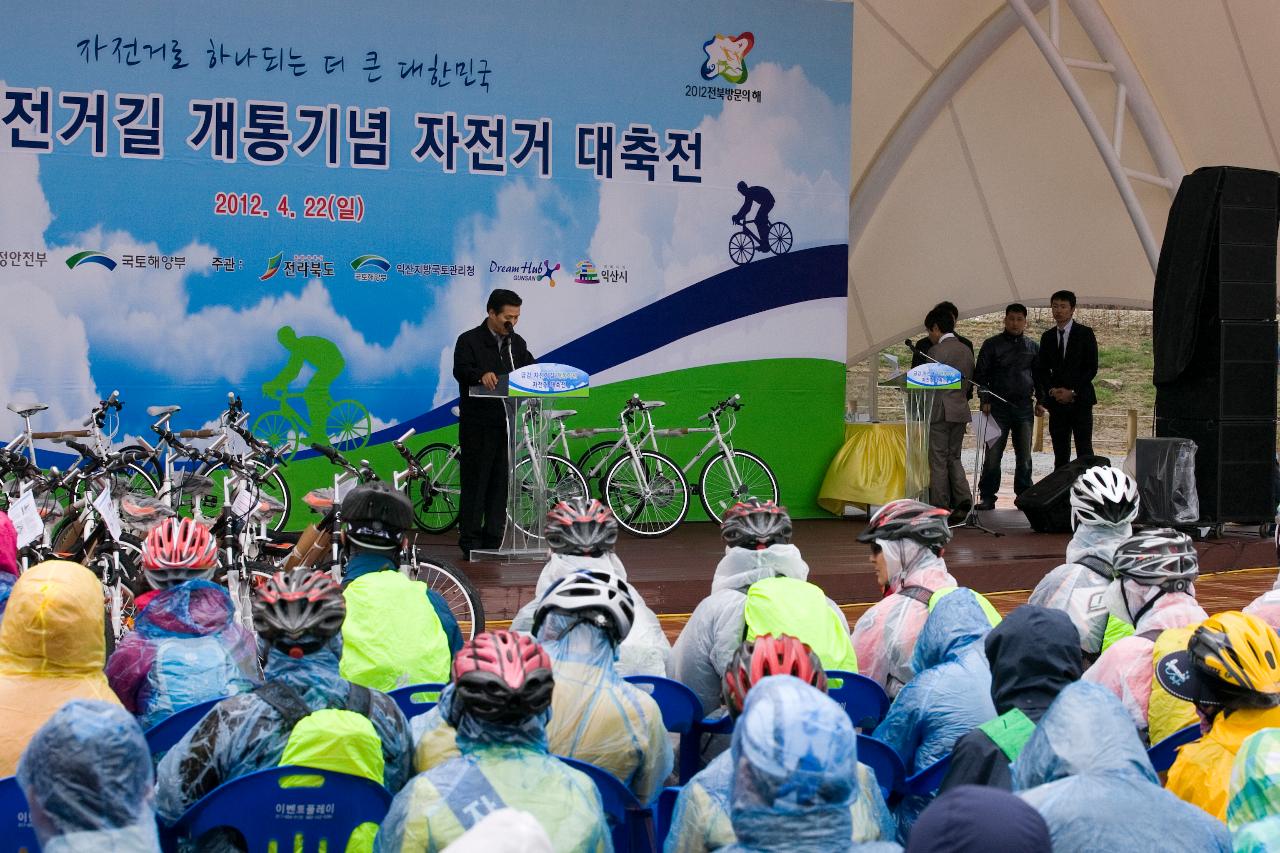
[319, 499]
[456, 412]
[142, 508]
[26, 410]
[157, 411]
[651, 404]
[559, 414]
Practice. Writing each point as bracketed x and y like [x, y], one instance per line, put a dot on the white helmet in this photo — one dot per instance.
[1103, 495]
[598, 597]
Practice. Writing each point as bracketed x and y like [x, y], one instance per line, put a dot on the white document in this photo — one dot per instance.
[26, 519]
[986, 428]
[109, 511]
[243, 503]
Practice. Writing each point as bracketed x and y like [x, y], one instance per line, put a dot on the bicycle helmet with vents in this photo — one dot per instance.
[598, 597]
[501, 676]
[581, 527]
[909, 519]
[1162, 557]
[376, 516]
[769, 655]
[755, 525]
[1232, 661]
[298, 612]
[178, 550]
[1103, 495]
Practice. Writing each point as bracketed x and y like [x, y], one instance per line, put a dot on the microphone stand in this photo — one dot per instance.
[971, 521]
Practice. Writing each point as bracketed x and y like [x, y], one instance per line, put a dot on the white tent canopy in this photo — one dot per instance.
[1005, 150]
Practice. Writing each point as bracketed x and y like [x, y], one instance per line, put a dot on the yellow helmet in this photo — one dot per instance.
[1232, 660]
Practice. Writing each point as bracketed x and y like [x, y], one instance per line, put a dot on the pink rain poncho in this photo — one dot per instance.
[1267, 606]
[885, 636]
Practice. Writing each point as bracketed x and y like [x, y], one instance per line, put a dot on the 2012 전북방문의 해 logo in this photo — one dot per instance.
[726, 56]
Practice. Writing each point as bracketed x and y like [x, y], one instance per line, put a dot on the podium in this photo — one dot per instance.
[919, 385]
[525, 394]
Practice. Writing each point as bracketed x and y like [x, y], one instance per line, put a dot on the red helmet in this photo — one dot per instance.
[581, 527]
[755, 525]
[299, 611]
[178, 550]
[501, 676]
[909, 519]
[769, 655]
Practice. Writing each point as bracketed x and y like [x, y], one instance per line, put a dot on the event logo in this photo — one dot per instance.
[91, 258]
[727, 57]
[273, 266]
[527, 271]
[933, 376]
[587, 273]
[370, 268]
[547, 271]
[544, 380]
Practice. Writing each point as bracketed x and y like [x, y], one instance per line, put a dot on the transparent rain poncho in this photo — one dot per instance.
[1266, 606]
[499, 766]
[52, 650]
[1253, 813]
[186, 648]
[1075, 588]
[949, 696]
[1085, 770]
[645, 650]
[504, 831]
[885, 636]
[713, 633]
[244, 734]
[87, 777]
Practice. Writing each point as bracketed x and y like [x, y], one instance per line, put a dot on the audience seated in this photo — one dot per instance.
[977, 819]
[1086, 771]
[52, 650]
[1253, 812]
[504, 831]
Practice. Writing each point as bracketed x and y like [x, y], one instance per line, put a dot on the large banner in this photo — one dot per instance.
[306, 203]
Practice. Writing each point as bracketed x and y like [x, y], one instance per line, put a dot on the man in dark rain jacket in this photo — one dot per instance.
[1034, 653]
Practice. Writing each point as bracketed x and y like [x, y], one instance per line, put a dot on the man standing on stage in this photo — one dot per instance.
[1005, 365]
[480, 356]
[948, 487]
[1065, 368]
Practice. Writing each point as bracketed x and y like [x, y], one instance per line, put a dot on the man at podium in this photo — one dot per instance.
[482, 356]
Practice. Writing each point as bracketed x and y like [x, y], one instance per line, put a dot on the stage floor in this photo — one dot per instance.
[674, 573]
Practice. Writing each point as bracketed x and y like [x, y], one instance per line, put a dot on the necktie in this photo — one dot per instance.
[1062, 342]
[505, 352]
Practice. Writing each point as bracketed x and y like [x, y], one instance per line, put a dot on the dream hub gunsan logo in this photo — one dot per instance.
[91, 257]
[547, 271]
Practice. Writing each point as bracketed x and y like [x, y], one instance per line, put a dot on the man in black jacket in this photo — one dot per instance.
[1005, 365]
[1034, 653]
[1065, 369]
[922, 346]
[480, 357]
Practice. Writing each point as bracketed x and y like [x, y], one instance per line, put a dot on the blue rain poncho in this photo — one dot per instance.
[87, 777]
[500, 766]
[244, 734]
[186, 648]
[949, 696]
[1253, 813]
[1085, 770]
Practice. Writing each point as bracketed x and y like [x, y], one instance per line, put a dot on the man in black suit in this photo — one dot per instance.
[1065, 368]
[480, 356]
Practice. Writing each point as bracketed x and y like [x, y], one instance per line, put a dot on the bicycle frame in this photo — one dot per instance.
[719, 438]
[643, 434]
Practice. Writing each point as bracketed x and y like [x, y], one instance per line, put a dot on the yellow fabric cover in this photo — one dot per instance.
[392, 636]
[870, 469]
[1166, 713]
[52, 650]
[336, 740]
[1201, 775]
[798, 608]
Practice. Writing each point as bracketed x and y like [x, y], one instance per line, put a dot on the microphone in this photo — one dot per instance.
[910, 345]
[509, 326]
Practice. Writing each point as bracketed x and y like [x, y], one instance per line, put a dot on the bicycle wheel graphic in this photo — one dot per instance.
[780, 238]
[348, 425]
[280, 431]
[742, 247]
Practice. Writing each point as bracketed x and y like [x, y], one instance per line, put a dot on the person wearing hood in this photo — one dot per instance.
[499, 704]
[907, 541]
[1253, 811]
[306, 714]
[8, 559]
[1154, 591]
[760, 587]
[1033, 654]
[1087, 773]
[794, 771]
[949, 696]
[1267, 606]
[87, 778]
[581, 533]
[186, 646]
[52, 650]
[979, 819]
[1104, 503]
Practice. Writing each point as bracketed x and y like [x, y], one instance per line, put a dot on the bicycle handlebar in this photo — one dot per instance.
[66, 433]
[408, 435]
[334, 456]
[734, 402]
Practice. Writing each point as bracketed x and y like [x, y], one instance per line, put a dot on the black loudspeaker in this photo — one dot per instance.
[1235, 464]
[1231, 376]
[1047, 504]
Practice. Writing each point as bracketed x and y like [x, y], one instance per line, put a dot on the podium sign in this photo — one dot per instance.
[933, 377]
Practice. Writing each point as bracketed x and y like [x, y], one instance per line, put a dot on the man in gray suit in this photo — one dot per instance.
[948, 486]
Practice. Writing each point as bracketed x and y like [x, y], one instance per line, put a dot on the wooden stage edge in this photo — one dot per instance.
[674, 573]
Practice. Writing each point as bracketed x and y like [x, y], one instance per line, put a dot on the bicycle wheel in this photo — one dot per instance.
[457, 590]
[435, 496]
[130, 478]
[742, 247]
[595, 464]
[722, 485]
[564, 481]
[348, 425]
[273, 486]
[650, 498]
[779, 238]
[279, 431]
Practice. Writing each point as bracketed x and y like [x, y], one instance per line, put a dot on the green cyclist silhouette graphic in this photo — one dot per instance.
[342, 423]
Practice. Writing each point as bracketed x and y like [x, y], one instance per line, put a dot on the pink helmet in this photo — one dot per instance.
[8, 546]
[503, 676]
[178, 550]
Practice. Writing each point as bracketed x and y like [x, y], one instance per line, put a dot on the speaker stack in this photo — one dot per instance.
[1215, 337]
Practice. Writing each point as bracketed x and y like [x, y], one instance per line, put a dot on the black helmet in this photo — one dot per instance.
[908, 519]
[756, 525]
[298, 612]
[581, 527]
[376, 516]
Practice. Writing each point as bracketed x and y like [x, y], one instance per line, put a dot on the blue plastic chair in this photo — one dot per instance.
[886, 763]
[631, 824]
[15, 817]
[665, 810]
[928, 780]
[1164, 753]
[264, 811]
[681, 713]
[860, 697]
[412, 707]
[165, 734]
